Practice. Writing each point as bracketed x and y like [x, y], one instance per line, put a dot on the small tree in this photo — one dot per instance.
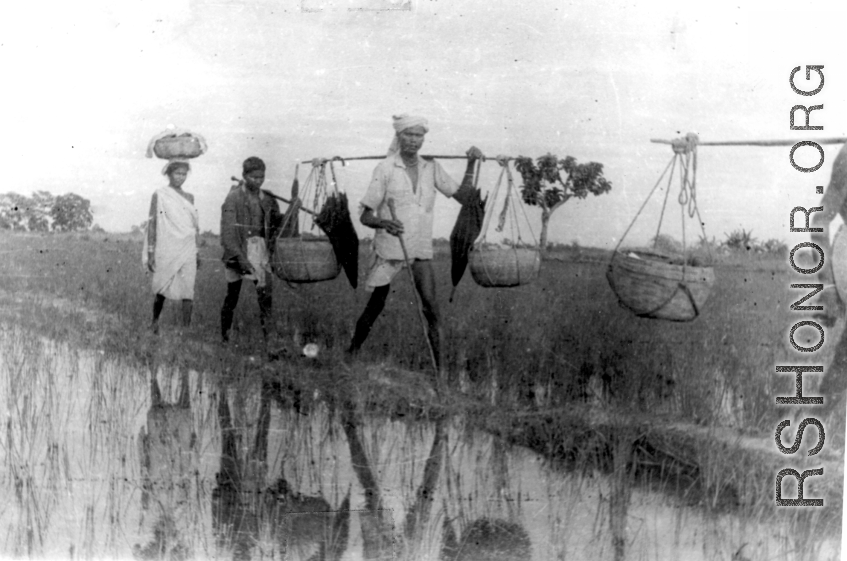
[39, 211]
[13, 211]
[543, 185]
[71, 212]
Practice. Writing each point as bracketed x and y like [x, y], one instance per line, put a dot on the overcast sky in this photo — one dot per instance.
[87, 84]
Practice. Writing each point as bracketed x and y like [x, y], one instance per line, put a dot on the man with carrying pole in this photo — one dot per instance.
[398, 205]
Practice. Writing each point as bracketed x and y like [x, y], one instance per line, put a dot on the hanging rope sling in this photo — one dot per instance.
[653, 284]
[307, 257]
[493, 265]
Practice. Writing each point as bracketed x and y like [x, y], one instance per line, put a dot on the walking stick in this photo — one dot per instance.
[414, 290]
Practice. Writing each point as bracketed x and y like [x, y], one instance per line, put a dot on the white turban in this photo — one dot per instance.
[403, 122]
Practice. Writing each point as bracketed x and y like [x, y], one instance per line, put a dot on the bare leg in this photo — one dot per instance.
[184, 390]
[374, 307]
[425, 283]
[233, 289]
[158, 305]
[265, 295]
[187, 307]
[155, 392]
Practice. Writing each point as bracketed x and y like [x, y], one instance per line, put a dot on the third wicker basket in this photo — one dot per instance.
[651, 286]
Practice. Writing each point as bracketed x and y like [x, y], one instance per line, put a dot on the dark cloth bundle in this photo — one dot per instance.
[465, 231]
[334, 220]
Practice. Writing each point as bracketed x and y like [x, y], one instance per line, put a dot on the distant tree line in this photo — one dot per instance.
[44, 212]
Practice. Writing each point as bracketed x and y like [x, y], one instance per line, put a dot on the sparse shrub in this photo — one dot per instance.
[667, 244]
[707, 244]
[775, 247]
[740, 240]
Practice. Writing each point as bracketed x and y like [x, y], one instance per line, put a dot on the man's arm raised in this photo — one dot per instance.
[466, 187]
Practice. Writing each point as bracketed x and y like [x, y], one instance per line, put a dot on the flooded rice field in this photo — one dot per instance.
[102, 460]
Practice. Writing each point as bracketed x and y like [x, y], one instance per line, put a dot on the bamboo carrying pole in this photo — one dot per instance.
[429, 156]
[277, 197]
[836, 140]
[414, 290]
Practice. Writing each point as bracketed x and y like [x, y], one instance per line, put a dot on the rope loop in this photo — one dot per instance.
[302, 192]
[510, 210]
[686, 144]
[490, 202]
[685, 154]
[320, 188]
[332, 171]
[510, 184]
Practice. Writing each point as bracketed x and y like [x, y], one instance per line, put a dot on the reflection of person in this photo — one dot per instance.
[834, 203]
[167, 449]
[411, 182]
[250, 219]
[170, 246]
[244, 510]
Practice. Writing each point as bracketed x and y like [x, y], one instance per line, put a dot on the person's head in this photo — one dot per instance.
[253, 172]
[177, 172]
[411, 139]
[410, 131]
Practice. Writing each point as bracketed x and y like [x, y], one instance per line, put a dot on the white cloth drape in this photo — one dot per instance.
[175, 253]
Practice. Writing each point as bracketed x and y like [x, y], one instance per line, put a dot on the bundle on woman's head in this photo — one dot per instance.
[253, 164]
[174, 165]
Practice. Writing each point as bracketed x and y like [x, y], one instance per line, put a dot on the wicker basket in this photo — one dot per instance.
[504, 266]
[649, 286]
[305, 260]
[178, 147]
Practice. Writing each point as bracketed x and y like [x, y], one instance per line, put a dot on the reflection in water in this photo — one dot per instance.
[259, 475]
[486, 540]
[168, 461]
[376, 530]
[245, 512]
[253, 520]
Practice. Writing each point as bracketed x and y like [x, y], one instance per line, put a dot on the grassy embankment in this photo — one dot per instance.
[551, 341]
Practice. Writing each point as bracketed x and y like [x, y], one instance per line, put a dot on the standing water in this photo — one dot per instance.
[101, 460]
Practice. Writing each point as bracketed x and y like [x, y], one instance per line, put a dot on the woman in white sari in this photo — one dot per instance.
[170, 244]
